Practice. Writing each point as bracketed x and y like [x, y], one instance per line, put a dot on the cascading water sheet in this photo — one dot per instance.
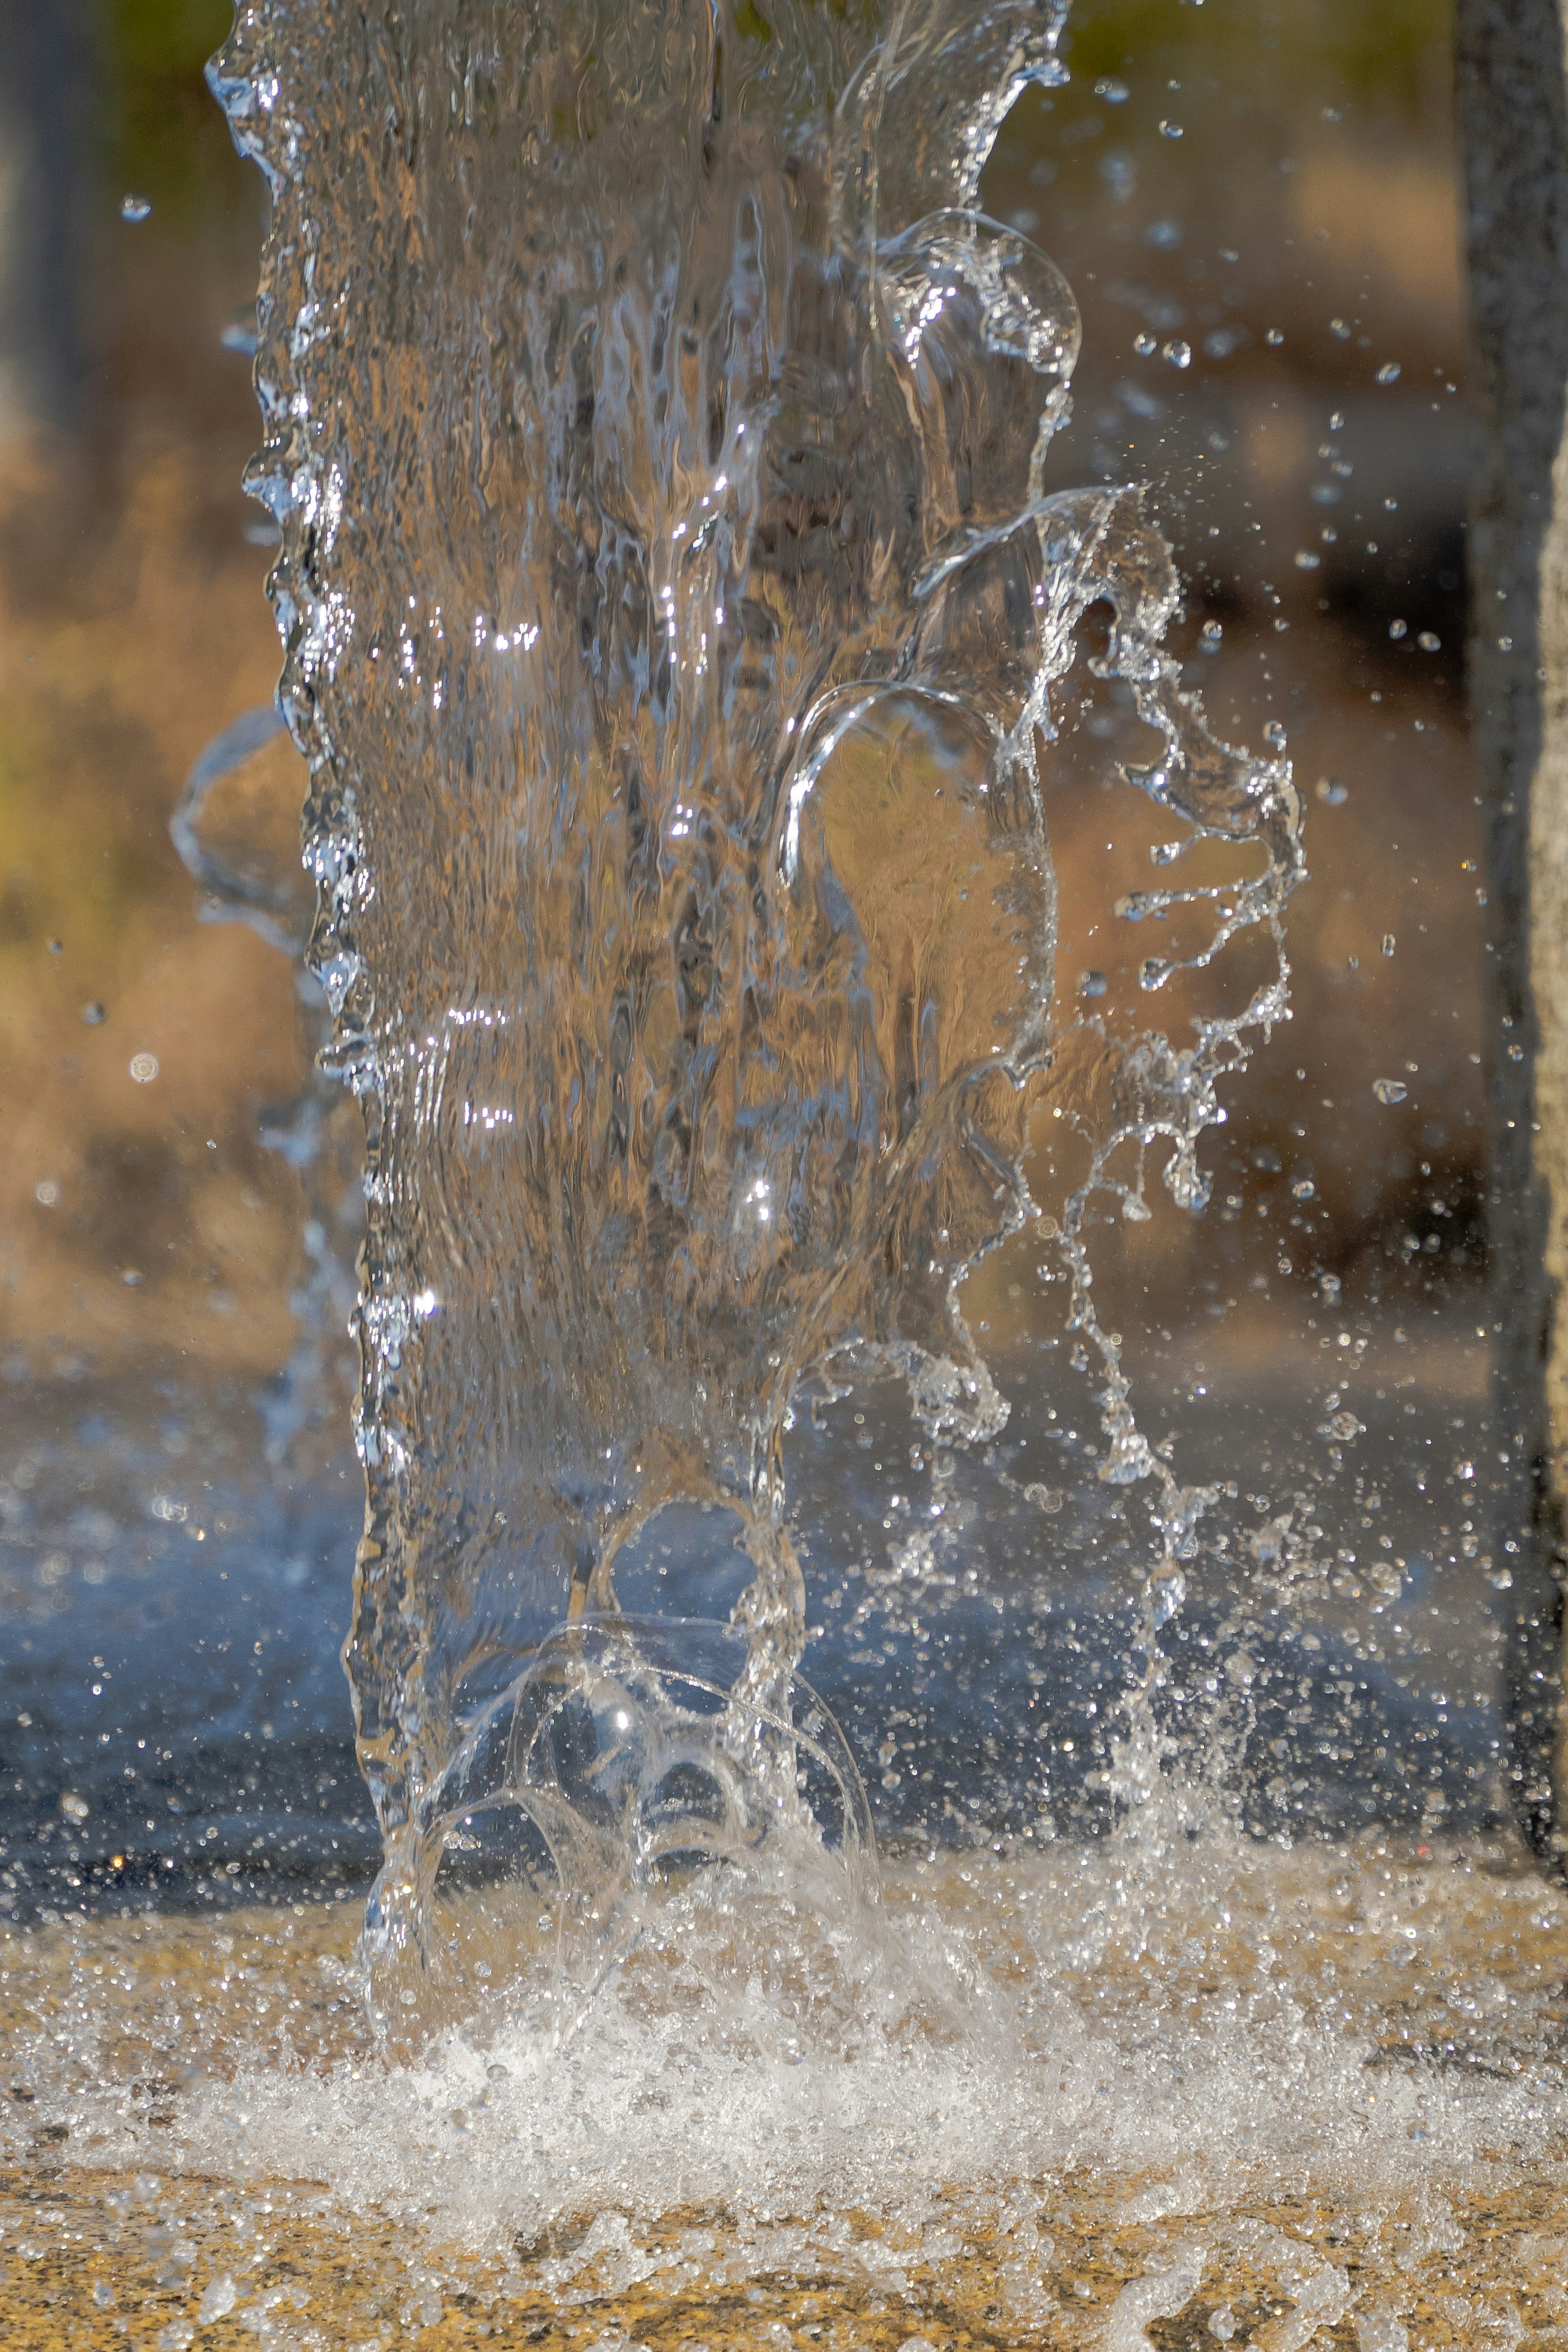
[709, 672]
[679, 611]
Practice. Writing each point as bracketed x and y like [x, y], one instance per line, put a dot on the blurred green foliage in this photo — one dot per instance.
[164, 136]
[1377, 54]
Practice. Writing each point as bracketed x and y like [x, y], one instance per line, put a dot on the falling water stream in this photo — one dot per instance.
[686, 629]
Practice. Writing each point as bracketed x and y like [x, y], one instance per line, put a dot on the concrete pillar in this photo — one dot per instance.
[1512, 82]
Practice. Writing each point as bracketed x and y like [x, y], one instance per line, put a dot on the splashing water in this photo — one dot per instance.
[679, 623]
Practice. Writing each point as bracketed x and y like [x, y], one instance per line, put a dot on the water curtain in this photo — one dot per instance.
[676, 606]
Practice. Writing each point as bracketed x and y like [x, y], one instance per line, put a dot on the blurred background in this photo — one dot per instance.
[1257, 206]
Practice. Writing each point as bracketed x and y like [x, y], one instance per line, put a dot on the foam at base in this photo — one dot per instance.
[1125, 2067]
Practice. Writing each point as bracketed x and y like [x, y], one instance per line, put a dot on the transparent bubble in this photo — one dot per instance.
[1390, 1090]
[135, 208]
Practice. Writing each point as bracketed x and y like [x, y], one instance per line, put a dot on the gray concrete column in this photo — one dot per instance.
[1512, 82]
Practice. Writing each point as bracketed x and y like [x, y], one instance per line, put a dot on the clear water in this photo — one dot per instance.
[748, 772]
[686, 905]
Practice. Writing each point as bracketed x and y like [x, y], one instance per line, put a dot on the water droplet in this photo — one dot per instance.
[1210, 636]
[1397, 629]
[1165, 234]
[1144, 345]
[1329, 788]
[47, 1192]
[1389, 373]
[1114, 91]
[1388, 944]
[1093, 983]
[1170, 130]
[1273, 734]
[1429, 642]
[1275, 335]
[1303, 1188]
[1505, 645]
[1179, 354]
[1341, 328]
[1390, 1090]
[144, 1068]
[131, 1278]
[135, 208]
[1306, 561]
[93, 1016]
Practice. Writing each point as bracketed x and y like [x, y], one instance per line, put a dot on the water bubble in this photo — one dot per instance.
[1389, 373]
[1114, 91]
[1328, 789]
[1165, 233]
[1274, 735]
[1303, 1188]
[1275, 335]
[1390, 1090]
[144, 1068]
[1429, 642]
[1211, 636]
[1505, 645]
[135, 208]
[1170, 130]
[74, 1808]
[1397, 629]
[1388, 944]
[1306, 561]
[131, 1278]
[1341, 328]
[1145, 346]
[1179, 354]
[93, 1016]
[47, 1192]
[1093, 983]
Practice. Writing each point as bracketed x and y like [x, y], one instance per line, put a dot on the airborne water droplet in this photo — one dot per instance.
[135, 208]
[1390, 1090]
[1389, 373]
